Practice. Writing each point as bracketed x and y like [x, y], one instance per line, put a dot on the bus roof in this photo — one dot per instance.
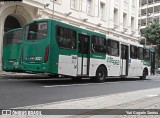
[68, 25]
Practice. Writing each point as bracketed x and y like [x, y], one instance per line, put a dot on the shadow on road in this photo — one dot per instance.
[46, 80]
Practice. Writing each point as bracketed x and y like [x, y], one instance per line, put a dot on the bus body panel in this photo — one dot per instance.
[34, 50]
[78, 61]
[136, 67]
[67, 65]
[113, 65]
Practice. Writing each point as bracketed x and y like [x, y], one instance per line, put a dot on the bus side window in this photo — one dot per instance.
[98, 44]
[113, 48]
[133, 52]
[140, 53]
[146, 54]
[66, 38]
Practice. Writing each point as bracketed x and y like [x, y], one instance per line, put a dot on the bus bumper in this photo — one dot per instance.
[38, 68]
[12, 68]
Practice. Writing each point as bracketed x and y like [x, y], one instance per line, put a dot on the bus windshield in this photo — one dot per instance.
[14, 37]
[36, 31]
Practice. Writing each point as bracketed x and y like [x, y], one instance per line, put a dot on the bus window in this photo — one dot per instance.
[113, 48]
[14, 37]
[98, 44]
[140, 53]
[146, 54]
[133, 52]
[124, 50]
[66, 38]
[36, 31]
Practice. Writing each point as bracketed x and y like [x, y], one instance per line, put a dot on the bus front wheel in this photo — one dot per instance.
[101, 74]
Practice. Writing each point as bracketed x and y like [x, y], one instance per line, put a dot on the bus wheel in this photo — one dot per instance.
[143, 77]
[101, 74]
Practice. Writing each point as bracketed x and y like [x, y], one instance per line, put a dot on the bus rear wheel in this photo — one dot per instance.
[143, 77]
[101, 74]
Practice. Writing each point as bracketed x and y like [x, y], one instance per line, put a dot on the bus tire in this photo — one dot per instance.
[143, 77]
[101, 74]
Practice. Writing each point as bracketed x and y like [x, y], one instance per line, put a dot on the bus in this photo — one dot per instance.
[11, 55]
[58, 48]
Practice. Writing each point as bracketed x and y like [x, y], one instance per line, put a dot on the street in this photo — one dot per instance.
[21, 91]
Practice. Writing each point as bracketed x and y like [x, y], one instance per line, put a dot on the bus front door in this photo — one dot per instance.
[83, 54]
[124, 60]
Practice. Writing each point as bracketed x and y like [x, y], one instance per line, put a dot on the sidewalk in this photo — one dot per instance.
[121, 105]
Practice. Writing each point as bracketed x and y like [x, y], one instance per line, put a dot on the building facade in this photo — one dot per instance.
[149, 13]
[116, 18]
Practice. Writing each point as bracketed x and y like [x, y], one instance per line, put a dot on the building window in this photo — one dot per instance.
[73, 4]
[116, 16]
[132, 23]
[89, 7]
[102, 10]
[124, 20]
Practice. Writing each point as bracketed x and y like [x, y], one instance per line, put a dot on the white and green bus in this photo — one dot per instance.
[58, 48]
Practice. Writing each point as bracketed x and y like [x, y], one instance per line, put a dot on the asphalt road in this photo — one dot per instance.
[21, 91]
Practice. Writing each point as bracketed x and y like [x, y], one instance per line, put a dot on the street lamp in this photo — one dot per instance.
[53, 9]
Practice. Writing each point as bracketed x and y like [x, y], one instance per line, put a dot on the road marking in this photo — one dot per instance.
[52, 86]
[152, 95]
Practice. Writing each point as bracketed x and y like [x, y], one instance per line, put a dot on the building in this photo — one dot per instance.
[118, 18]
[149, 13]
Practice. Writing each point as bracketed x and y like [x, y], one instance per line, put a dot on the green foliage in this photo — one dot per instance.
[152, 33]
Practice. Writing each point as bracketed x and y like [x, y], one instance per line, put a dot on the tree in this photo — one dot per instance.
[152, 33]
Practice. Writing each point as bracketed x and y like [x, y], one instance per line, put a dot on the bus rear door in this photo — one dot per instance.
[124, 60]
[83, 54]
